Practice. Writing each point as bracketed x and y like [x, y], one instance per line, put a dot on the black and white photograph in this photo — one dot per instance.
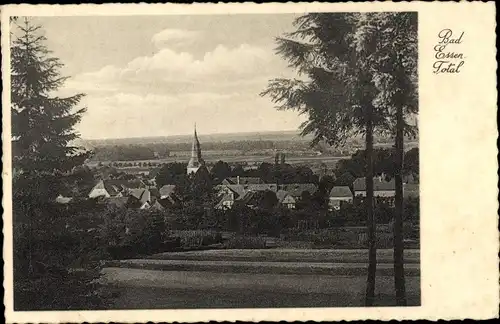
[238, 161]
[216, 161]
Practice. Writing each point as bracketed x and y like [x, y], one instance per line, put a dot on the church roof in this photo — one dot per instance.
[196, 160]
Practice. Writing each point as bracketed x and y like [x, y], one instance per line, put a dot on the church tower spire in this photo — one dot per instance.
[196, 161]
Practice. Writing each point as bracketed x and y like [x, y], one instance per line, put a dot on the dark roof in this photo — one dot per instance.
[137, 193]
[378, 185]
[167, 190]
[340, 191]
[154, 192]
[247, 198]
[168, 202]
[243, 180]
[120, 202]
[239, 190]
[115, 186]
[157, 205]
[261, 187]
[143, 194]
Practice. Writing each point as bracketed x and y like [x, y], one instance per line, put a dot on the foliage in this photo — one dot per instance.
[50, 245]
[126, 152]
[196, 238]
[132, 232]
[245, 242]
[42, 124]
[383, 163]
[221, 170]
[172, 173]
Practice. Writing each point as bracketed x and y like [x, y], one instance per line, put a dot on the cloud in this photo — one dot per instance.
[174, 36]
[132, 115]
[246, 67]
[224, 62]
[164, 93]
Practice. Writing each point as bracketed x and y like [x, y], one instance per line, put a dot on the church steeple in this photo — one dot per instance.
[196, 161]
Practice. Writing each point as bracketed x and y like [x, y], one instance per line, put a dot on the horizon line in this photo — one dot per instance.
[189, 134]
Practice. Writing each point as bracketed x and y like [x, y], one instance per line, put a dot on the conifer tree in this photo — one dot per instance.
[42, 122]
[47, 242]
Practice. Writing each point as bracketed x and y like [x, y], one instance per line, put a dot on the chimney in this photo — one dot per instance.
[237, 179]
[282, 158]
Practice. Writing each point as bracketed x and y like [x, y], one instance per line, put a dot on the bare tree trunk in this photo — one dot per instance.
[399, 276]
[370, 221]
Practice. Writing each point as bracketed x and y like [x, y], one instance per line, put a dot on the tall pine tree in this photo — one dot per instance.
[42, 123]
[47, 240]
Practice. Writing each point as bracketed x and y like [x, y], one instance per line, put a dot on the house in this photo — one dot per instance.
[114, 188]
[229, 194]
[242, 181]
[167, 196]
[145, 197]
[285, 199]
[297, 189]
[118, 202]
[381, 188]
[157, 206]
[411, 190]
[226, 202]
[166, 191]
[261, 187]
[338, 196]
[258, 199]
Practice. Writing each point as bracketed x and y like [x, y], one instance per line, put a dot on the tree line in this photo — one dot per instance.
[150, 151]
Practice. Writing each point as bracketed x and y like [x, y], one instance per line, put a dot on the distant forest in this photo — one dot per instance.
[160, 150]
[151, 151]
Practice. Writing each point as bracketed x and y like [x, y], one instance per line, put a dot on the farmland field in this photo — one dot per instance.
[245, 159]
[235, 148]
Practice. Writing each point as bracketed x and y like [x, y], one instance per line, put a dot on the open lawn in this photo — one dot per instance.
[289, 255]
[147, 289]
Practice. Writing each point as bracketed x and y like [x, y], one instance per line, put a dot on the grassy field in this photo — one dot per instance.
[146, 289]
[289, 255]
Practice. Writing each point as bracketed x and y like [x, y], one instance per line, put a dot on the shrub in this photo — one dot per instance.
[245, 242]
[48, 245]
[193, 239]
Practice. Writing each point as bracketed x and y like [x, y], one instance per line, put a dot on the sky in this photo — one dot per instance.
[158, 75]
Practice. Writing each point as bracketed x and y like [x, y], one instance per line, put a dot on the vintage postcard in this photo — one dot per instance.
[252, 162]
